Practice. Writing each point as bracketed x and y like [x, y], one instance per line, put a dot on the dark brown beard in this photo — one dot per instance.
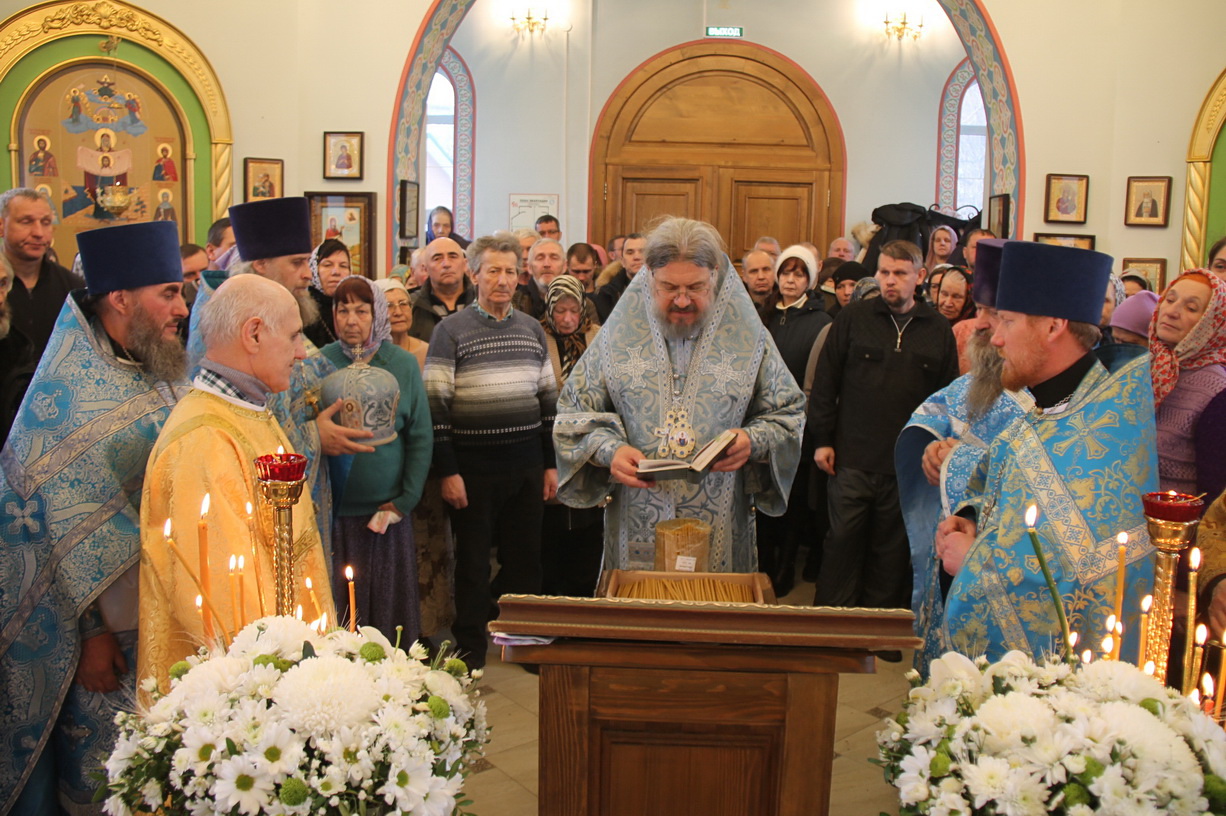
[986, 367]
[163, 357]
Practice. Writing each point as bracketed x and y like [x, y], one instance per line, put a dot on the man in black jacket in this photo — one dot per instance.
[883, 357]
[39, 285]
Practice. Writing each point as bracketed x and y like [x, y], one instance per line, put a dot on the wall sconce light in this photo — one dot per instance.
[528, 22]
[902, 28]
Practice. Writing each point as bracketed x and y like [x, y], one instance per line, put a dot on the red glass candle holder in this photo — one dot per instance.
[1172, 506]
[281, 467]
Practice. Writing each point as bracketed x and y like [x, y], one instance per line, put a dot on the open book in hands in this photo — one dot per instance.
[694, 470]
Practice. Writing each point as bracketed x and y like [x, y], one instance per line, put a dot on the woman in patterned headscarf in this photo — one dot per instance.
[329, 266]
[572, 539]
[382, 487]
[567, 323]
[1187, 343]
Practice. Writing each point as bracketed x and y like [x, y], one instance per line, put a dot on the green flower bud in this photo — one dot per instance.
[372, 652]
[455, 667]
[294, 792]
[1075, 794]
[179, 669]
[940, 764]
[439, 709]
[278, 663]
[1094, 769]
[1152, 706]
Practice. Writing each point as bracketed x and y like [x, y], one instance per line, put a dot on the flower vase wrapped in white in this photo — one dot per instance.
[289, 721]
[1017, 738]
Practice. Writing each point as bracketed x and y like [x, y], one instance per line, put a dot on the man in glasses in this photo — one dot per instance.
[683, 359]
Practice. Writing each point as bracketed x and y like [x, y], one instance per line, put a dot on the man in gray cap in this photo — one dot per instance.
[70, 492]
[1082, 458]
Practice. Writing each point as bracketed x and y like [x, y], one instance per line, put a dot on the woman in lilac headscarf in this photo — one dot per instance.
[370, 532]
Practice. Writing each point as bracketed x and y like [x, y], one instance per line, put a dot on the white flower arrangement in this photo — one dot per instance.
[1017, 738]
[289, 721]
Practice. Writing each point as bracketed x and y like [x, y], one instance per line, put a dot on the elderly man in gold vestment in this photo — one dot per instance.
[252, 334]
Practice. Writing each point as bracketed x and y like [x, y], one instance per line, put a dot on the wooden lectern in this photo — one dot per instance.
[664, 708]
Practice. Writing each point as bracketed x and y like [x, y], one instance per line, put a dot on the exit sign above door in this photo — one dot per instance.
[725, 31]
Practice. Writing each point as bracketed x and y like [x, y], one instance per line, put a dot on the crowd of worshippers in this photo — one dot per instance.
[890, 425]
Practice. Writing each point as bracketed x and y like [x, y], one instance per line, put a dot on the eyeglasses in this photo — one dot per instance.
[673, 291]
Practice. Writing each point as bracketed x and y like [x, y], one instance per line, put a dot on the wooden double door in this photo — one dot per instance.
[725, 132]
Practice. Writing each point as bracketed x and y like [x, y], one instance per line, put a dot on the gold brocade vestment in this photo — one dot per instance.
[209, 445]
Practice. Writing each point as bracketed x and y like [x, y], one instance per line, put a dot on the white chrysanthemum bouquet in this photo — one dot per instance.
[289, 721]
[1016, 738]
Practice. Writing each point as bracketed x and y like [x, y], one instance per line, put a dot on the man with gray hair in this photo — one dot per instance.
[546, 260]
[770, 246]
[39, 285]
[273, 241]
[683, 359]
[492, 396]
[252, 333]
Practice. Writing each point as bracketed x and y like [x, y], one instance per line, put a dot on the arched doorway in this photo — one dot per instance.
[1204, 215]
[729, 133]
[969, 18]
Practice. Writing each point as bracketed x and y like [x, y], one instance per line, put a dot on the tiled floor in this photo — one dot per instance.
[506, 784]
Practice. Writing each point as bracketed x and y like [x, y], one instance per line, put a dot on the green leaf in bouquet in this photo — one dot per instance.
[1215, 792]
[231, 747]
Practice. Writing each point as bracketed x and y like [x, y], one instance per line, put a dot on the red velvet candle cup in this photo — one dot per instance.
[281, 467]
[1172, 506]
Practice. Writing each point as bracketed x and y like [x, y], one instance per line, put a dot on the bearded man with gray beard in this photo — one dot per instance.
[70, 490]
[946, 439]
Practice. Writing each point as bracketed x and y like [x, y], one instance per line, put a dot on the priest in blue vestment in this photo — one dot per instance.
[682, 358]
[943, 444]
[70, 492]
[1084, 455]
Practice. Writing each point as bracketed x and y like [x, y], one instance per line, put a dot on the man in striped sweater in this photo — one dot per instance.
[492, 398]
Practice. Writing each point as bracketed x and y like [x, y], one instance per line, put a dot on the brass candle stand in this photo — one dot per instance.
[1172, 519]
[281, 477]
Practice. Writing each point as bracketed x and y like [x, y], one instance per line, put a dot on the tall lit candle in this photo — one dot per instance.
[1032, 515]
[242, 594]
[1146, 603]
[1121, 580]
[1189, 677]
[1221, 677]
[1149, 668]
[1087, 656]
[314, 600]
[233, 573]
[298, 612]
[1198, 654]
[200, 605]
[1108, 646]
[1206, 686]
[353, 603]
[1072, 641]
[202, 544]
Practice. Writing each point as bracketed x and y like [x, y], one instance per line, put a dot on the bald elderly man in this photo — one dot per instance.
[446, 291]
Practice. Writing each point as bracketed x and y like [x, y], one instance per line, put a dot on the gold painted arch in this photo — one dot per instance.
[43, 24]
[1200, 161]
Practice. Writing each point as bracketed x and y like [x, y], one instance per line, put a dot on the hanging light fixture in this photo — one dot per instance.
[901, 28]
